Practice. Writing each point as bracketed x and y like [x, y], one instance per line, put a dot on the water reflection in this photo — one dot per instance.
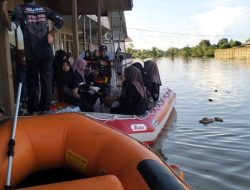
[215, 156]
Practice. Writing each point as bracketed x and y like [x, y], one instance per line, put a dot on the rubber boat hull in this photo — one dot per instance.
[145, 128]
[108, 158]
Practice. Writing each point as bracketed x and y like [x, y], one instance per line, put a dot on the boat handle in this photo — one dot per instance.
[178, 171]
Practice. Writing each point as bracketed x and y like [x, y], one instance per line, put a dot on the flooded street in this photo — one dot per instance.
[214, 156]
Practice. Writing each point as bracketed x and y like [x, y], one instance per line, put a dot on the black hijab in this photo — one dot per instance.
[68, 78]
[133, 75]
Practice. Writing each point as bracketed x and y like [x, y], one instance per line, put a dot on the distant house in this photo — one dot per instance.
[247, 44]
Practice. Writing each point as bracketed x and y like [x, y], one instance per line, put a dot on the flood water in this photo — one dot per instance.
[214, 156]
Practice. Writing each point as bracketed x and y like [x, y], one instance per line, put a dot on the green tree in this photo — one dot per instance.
[197, 52]
[235, 43]
[154, 52]
[172, 52]
[186, 52]
[204, 43]
[223, 43]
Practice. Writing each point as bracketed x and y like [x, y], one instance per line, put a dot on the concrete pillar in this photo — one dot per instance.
[6, 78]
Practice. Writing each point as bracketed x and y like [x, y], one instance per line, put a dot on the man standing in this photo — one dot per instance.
[103, 67]
[38, 40]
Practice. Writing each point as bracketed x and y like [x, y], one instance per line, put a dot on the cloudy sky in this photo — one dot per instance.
[178, 23]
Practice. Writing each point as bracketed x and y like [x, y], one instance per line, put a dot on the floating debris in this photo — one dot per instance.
[216, 90]
[210, 100]
[218, 119]
[206, 121]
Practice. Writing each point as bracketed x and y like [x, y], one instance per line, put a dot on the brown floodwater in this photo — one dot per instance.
[214, 156]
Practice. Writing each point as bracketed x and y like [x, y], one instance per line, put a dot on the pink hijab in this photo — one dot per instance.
[79, 66]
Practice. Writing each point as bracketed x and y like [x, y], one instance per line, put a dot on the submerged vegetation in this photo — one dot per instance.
[203, 49]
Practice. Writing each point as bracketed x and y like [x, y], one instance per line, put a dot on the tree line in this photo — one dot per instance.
[203, 49]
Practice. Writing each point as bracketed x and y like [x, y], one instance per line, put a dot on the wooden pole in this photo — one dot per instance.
[6, 78]
[99, 22]
[75, 30]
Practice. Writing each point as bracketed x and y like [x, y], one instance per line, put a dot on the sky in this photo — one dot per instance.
[178, 23]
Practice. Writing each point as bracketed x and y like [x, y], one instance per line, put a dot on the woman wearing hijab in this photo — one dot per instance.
[153, 86]
[68, 84]
[87, 100]
[79, 69]
[60, 55]
[133, 97]
[145, 76]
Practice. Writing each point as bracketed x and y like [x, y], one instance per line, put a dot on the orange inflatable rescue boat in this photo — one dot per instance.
[106, 158]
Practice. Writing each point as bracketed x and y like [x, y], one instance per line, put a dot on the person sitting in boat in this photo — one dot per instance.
[103, 70]
[89, 99]
[83, 73]
[145, 76]
[147, 82]
[133, 97]
[68, 84]
[60, 55]
[153, 85]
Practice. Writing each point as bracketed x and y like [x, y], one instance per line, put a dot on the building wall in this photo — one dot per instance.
[233, 53]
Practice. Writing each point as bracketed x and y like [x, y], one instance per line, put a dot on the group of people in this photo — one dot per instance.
[141, 84]
[69, 78]
[33, 20]
[44, 71]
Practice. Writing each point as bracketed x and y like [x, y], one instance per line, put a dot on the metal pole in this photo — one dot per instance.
[90, 33]
[75, 30]
[99, 23]
[12, 140]
[84, 33]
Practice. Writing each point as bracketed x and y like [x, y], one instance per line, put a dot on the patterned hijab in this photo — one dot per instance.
[133, 75]
[151, 69]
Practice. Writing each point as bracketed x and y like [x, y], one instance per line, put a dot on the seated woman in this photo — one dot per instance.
[68, 84]
[154, 83]
[88, 98]
[60, 55]
[82, 72]
[145, 76]
[133, 97]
